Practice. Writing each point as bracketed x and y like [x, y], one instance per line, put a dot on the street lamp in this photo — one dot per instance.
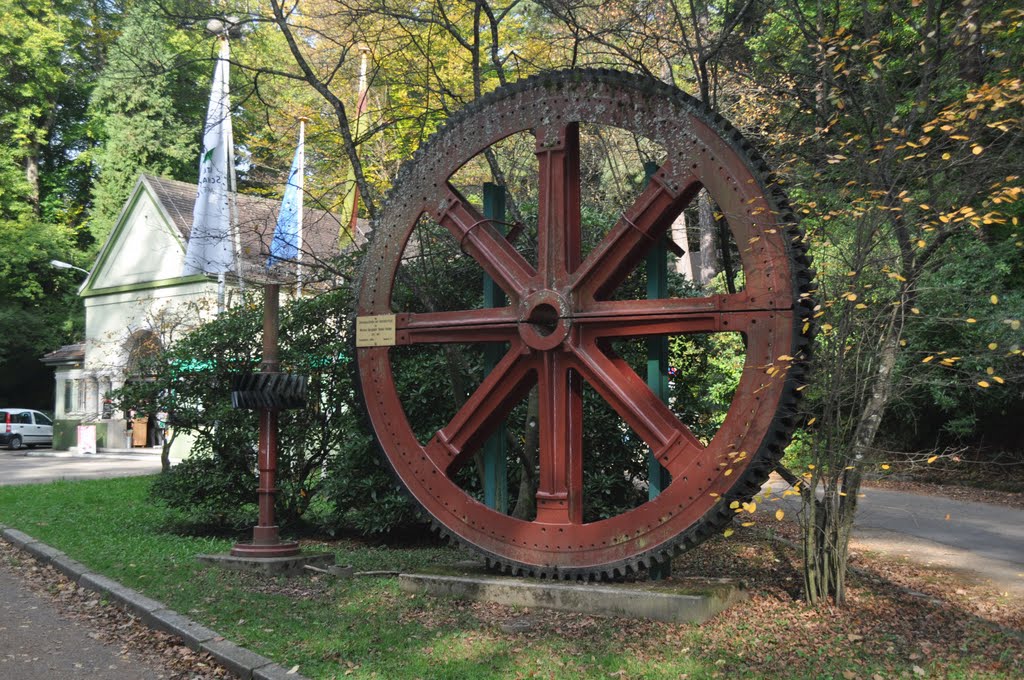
[65, 265]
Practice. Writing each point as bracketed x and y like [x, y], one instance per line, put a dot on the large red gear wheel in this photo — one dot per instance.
[560, 320]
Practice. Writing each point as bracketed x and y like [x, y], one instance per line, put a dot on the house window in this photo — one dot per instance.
[69, 394]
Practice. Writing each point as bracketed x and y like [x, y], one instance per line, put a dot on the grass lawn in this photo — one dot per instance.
[366, 628]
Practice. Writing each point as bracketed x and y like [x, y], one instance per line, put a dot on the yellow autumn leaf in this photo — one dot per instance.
[994, 299]
[932, 459]
[977, 149]
[728, 472]
[728, 532]
[947, 516]
[750, 507]
[785, 357]
[983, 383]
[811, 421]
[860, 305]
[927, 359]
[1015, 325]
[925, 206]
[993, 345]
[990, 370]
[972, 321]
[998, 379]
[779, 514]
[921, 243]
[746, 524]
[915, 310]
[851, 296]
[885, 466]
[734, 505]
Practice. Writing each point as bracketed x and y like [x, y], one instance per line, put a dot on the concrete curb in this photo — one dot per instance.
[244, 663]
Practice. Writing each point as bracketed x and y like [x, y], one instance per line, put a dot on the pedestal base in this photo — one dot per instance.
[279, 549]
[288, 566]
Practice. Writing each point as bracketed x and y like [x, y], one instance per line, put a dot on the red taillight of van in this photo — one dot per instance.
[8, 414]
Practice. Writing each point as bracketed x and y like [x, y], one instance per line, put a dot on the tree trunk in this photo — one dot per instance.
[32, 176]
[165, 450]
[828, 521]
[527, 497]
[708, 240]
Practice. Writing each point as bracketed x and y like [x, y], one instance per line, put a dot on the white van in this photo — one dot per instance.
[23, 426]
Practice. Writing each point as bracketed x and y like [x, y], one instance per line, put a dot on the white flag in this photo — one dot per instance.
[209, 245]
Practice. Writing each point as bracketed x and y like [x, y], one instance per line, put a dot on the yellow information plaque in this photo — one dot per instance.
[375, 331]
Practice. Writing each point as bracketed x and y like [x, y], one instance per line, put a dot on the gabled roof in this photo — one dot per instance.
[256, 220]
[68, 354]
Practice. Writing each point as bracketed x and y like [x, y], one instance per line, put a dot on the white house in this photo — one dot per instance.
[137, 301]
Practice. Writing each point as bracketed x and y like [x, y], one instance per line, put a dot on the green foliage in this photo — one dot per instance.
[37, 308]
[321, 448]
[963, 378]
[210, 493]
[144, 111]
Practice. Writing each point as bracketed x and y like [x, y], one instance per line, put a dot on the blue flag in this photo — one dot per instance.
[288, 232]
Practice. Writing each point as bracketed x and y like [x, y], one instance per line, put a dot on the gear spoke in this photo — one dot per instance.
[491, 324]
[666, 316]
[560, 491]
[505, 385]
[558, 210]
[636, 404]
[633, 235]
[478, 238]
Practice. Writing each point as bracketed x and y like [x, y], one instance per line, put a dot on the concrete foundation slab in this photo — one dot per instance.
[287, 566]
[675, 601]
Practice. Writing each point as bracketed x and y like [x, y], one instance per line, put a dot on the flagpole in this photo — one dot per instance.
[228, 140]
[361, 106]
[233, 204]
[302, 191]
[229, 144]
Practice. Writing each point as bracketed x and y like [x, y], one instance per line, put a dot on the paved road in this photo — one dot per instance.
[990, 532]
[39, 465]
[37, 643]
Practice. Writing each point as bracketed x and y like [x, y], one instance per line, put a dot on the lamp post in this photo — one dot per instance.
[59, 264]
